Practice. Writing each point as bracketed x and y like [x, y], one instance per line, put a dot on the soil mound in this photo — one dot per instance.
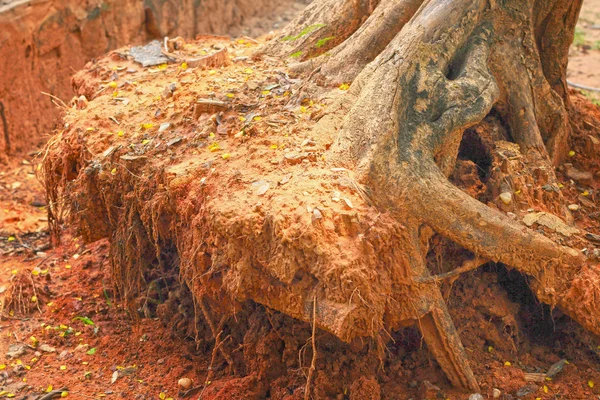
[43, 42]
[206, 166]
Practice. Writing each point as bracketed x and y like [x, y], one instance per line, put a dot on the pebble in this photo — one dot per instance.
[496, 393]
[573, 207]
[476, 396]
[185, 383]
[317, 214]
[16, 350]
[506, 197]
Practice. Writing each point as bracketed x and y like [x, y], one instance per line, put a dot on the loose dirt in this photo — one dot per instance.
[165, 337]
[42, 43]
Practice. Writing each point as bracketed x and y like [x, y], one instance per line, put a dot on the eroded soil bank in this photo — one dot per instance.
[161, 186]
[42, 43]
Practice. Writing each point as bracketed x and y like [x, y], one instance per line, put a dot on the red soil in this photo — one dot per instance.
[43, 42]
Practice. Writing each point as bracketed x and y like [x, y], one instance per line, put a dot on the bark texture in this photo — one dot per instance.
[438, 71]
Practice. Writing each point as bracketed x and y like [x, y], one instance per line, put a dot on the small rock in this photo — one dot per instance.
[527, 389]
[556, 368]
[496, 393]
[63, 354]
[316, 214]
[185, 383]
[128, 370]
[16, 350]
[506, 197]
[550, 188]
[82, 102]
[47, 348]
[476, 396]
[169, 90]
[573, 207]
[294, 158]
[164, 126]
[263, 189]
[208, 106]
[285, 179]
[579, 176]
[592, 238]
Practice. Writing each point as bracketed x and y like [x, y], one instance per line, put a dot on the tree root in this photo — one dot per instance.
[346, 61]
[444, 87]
[428, 71]
[313, 361]
[467, 266]
[216, 332]
[320, 27]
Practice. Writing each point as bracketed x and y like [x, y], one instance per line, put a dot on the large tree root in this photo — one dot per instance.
[406, 140]
[320, 27]
[344, 62]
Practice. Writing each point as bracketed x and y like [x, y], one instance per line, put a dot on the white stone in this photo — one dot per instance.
[506, 197]
[185, 383]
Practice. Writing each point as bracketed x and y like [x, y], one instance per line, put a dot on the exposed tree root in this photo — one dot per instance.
[422, 74]
[320, 27]
[346, 61]
[311, 369]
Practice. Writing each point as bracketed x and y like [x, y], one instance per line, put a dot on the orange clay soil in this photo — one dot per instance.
[208, 179]
[43, 42]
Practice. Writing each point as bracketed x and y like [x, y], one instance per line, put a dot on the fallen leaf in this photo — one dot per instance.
[115, 376]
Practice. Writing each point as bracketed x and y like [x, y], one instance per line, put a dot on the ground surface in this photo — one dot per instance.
[506, 333]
